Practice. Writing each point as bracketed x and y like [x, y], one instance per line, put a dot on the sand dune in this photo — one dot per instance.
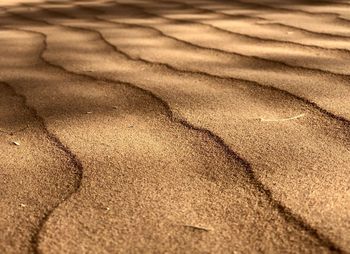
[182, 127]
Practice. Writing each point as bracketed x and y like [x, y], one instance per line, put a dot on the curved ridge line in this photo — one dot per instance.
[276, 23]
[222, 51]
[304, 100]
[284, 211]
[73, 160]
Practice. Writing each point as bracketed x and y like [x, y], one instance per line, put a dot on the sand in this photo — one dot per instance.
[202, 126]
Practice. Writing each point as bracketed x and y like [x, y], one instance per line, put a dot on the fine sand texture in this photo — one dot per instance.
[173, 126]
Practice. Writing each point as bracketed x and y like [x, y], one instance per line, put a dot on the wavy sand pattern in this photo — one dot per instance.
[143, 126]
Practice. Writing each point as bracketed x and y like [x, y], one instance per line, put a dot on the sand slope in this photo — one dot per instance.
[180, 127]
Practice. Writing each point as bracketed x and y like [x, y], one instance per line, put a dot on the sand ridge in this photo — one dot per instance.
[251, 147]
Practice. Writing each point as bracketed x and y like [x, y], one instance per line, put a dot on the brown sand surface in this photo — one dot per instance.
[144, 126]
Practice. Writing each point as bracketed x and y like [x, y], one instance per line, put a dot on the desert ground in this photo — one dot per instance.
[174, 126]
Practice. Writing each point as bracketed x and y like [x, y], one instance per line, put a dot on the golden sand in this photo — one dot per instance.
[202, 126]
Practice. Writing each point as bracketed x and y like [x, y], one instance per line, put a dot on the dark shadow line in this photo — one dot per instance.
[73, 160]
